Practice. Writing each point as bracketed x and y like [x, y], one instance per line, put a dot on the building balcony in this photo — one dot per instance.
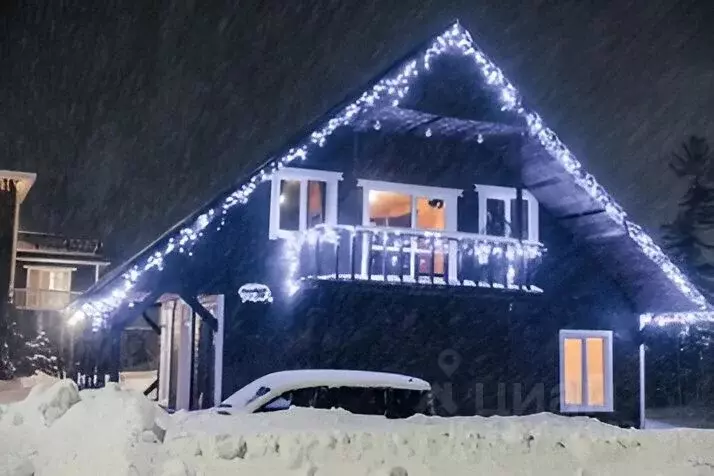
[420, 257]
[43, 299]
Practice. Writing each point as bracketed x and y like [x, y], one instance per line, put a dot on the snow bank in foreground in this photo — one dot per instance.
[60, 431]
[334, 442]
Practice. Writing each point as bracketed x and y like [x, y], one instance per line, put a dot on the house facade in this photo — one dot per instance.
[45, 272]
[430, 225]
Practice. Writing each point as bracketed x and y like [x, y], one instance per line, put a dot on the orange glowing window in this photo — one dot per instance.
[573, 362]
[595, 351]
[586, 371]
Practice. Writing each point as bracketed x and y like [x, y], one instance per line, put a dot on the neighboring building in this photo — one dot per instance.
[431, 225]
[50, 272]
[47, 272]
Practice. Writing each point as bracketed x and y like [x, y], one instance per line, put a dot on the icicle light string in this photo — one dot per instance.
[389, 92]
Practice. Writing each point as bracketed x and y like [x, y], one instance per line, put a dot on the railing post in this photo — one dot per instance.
[414, 244]
[317, 256]
[369, 256]
[400, 258]
[384, 257]
[433, 257]
[353, 238]
[446, 254]
[337, 258]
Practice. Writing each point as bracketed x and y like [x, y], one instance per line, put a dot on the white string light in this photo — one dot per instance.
[388, 92]
[682, 318]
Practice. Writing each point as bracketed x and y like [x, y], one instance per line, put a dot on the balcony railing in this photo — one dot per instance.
[43, 299]
[405, 255]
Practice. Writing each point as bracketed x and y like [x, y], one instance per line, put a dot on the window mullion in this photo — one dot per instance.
[413, 211]
[584, 365]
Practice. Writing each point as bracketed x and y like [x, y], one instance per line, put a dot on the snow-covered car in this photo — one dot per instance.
[360, 392]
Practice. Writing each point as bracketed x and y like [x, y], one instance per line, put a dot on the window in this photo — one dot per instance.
[498, 212]
[586, 383]
[410, 206]
[48, 287]
[301, 199]
[390, 402]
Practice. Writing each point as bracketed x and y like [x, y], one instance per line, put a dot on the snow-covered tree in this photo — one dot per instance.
[39, 355]
[11, 342]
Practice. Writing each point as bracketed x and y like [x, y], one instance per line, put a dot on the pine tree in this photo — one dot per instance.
[690, 237]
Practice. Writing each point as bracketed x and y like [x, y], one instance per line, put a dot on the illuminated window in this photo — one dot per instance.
[302, 199]
[586, 384]
[390, 209]
[409, 206]
[418, 207]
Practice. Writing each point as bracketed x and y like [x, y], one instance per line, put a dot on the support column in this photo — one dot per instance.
[114, 353]
[206, 352]
[642, 387]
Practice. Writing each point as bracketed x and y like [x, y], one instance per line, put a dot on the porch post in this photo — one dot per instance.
[642, 387]
[206, 351]
[114, 353]
[219, 312]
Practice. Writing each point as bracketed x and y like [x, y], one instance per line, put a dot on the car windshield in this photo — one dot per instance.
[245, 395]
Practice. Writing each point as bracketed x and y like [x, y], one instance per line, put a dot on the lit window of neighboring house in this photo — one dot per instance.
[301, 199]
[48, 287]
[398, 205]
[498, 212]
[586, 380]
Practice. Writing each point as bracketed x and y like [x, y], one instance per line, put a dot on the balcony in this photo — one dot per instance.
[419, 257]
[43, 299]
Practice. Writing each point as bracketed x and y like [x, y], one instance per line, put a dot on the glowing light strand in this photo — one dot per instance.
[686, 319]
[390, 91]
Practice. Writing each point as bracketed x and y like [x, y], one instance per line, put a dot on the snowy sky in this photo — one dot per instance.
[132, 113]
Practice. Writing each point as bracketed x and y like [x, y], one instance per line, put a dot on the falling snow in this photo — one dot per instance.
[132, 116]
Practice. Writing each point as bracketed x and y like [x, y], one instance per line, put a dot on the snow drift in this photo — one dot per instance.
[60, 431]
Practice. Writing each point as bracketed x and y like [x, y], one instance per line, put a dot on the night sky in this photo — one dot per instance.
[133, 115]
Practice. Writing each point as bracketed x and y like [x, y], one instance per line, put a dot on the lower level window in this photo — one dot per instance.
[586, 383]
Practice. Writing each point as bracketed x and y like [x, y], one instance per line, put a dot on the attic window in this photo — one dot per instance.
[301, 199]
[586, 381]
[498, 212]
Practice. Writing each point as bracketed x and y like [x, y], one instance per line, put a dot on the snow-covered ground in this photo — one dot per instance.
[60, 431]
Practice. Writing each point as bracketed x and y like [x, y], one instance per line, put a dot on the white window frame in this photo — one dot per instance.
[506, 194]
[44, 295]
[582, 335]
[304, 176]
[450, 196]
[49, 269]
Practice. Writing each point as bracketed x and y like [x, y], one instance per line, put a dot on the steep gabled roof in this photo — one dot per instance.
[388, 90]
